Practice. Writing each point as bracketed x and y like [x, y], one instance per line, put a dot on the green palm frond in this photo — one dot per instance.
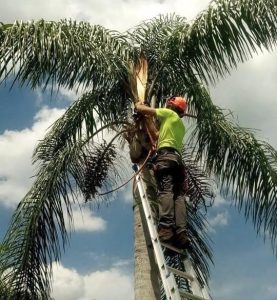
[245, 167]
[228, 32]
[92, 112]
[38, 226]
[199, 188]
[96, 165]
[66, 52]
[159, 39]
[200, 250]
[5, 293]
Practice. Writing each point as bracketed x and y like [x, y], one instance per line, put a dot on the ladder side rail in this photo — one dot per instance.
[167, 277]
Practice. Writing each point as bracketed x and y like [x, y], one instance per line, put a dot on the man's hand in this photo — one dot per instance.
[139, 103]
[149, 125]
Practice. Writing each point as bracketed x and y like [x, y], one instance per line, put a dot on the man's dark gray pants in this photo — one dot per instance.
[169, 178]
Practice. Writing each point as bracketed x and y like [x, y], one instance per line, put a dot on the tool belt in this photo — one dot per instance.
[166, 150]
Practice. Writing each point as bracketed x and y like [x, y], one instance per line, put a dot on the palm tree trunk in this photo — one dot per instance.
[147, 285]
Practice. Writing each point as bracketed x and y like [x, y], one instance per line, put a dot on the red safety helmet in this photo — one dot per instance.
[178, 102]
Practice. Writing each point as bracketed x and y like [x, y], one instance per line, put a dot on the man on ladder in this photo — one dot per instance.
[168, 170]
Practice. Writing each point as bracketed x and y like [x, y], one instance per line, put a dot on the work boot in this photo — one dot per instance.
[181, 240]
[165, 234]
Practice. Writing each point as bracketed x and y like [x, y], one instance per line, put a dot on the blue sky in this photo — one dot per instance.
[98, 264]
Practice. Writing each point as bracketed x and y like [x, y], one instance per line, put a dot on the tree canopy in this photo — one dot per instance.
[183, 58]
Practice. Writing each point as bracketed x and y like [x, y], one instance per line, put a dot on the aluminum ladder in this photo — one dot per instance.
[167, 273]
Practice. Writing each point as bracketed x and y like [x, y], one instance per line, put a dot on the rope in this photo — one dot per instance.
[153, 149]
[136, 173]
[152, 142]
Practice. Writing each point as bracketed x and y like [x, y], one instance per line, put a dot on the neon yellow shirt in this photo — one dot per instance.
[172, 129]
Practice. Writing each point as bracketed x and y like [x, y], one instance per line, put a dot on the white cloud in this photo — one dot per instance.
[67, 283]
[119, 14]
[86, 220]
[16, 148]
[272, 290]
[250, 92]
[103, 259]
[219, 220]
[122, 263]
[219, 201]
[126, 194]
[56, 94]
[119, 285]
[99, 285]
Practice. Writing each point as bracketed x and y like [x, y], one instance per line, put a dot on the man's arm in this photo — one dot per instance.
[145, 110]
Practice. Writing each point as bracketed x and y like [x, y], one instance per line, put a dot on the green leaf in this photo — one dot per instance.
[67, 53]
[245, 168]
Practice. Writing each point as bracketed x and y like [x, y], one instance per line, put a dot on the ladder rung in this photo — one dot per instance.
[170, 247]
[181, 273]
[190, 296]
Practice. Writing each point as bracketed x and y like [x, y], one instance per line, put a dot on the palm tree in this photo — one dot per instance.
[160, 57]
